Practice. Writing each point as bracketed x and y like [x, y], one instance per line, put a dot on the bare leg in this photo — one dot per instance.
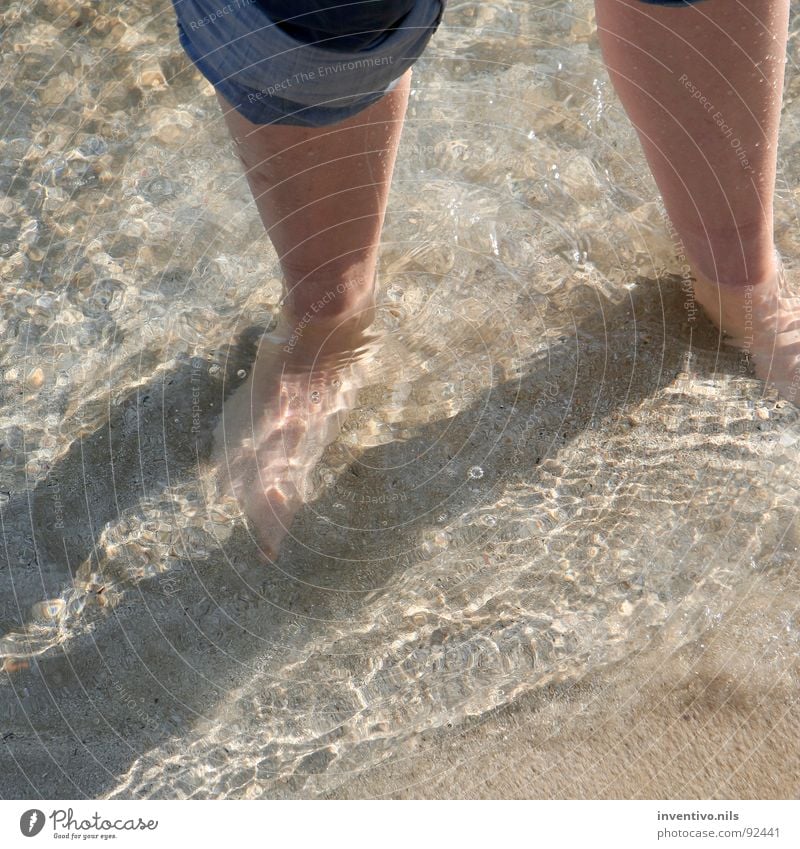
[322, 196]
[702, 85]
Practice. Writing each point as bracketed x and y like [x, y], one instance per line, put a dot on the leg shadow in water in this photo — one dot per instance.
[134, 683]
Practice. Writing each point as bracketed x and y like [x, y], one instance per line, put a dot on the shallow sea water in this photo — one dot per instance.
[555, 470]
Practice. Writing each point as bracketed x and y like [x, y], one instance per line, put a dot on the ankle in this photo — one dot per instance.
[320, 322]
[323, 335]
[769, 278]
[331, 299]
[742, 261]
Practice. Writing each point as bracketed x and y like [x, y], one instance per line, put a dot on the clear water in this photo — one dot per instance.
[553, 470]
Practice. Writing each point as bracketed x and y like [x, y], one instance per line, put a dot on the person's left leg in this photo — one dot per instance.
[702, 83]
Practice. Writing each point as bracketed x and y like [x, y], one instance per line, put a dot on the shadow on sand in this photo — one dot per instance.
[148, 668]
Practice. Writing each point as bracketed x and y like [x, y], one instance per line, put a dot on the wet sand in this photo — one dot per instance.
[552, 552]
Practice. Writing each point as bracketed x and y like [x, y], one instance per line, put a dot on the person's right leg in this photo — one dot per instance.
[314, 93]
[702, 86]
[321, 193]
[317, 131]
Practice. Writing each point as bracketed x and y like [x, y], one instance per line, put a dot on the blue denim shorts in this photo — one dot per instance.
[272, 78]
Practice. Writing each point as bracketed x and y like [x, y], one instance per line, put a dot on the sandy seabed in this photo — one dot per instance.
[552, 553]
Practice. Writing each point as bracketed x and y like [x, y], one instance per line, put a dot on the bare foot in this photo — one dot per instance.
[764, 321]
[276, 425]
